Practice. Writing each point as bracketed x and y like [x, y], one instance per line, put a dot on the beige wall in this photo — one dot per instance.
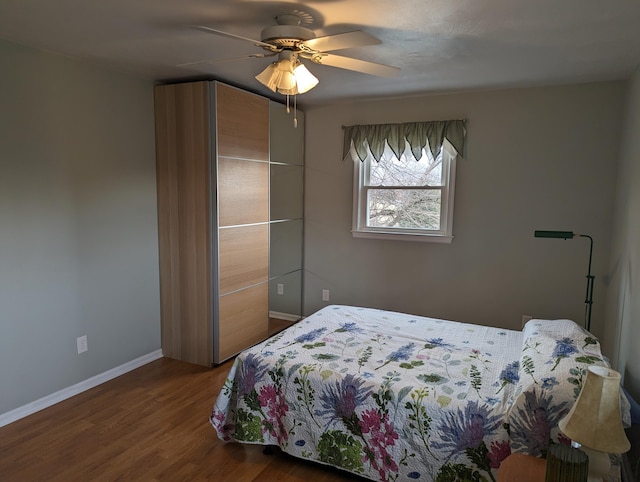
[78, 237]
[623, 307]
[540, 158]
[78, 230]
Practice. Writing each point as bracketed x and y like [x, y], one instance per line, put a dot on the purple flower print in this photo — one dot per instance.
[251, 373]
[378, 433]
[499, 450]
[277, 408]
[341, 399]
[460, 430]
[532, 421]
[217, 419]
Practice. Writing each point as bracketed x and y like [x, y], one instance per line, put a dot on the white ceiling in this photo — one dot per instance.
[440, 45]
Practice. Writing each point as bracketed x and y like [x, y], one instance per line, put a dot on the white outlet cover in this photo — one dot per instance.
[82, 345]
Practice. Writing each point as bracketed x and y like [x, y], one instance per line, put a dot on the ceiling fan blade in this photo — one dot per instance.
[257, 43]
[380, 70]
[212, 61]
[347, 40]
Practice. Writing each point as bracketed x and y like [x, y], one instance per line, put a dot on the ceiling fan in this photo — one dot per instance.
[291, 42]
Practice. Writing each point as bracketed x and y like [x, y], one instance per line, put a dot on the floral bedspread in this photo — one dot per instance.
[391, 396]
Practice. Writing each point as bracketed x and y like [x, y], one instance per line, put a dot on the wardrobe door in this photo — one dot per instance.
[242, 149]
[184, 227]
[286, 215]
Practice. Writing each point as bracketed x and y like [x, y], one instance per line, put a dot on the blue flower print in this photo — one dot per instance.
[402, 353]
[349, 328]
[510, 374]
[312, 335]
[437, 343]
[564, 348]
[549, 382]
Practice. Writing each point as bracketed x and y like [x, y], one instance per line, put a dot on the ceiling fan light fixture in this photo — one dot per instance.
[288, 77]
[305, 80]
[269, 77]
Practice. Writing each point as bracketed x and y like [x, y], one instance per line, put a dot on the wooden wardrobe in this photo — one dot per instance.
[213, 182]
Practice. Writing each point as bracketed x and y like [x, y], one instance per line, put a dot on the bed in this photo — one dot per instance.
[391, 396]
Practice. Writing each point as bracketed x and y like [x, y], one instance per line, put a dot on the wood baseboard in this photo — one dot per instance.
[284, 316]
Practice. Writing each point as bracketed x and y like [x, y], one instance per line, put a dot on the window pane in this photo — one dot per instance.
[406, 171]
[403, 208]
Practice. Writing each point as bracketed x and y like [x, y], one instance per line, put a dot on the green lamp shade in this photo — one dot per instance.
[553, 234]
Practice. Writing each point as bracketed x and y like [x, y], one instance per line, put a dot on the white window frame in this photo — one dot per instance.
[360, 206]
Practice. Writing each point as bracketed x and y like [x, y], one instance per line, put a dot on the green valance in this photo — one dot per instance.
[372, 138]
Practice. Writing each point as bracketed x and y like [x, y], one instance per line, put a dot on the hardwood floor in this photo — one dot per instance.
[276, 325]
[149, 424]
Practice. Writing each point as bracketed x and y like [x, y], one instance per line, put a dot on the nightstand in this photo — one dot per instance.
[522, 468]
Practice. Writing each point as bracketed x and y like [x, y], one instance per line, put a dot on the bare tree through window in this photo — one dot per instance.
[404, 192]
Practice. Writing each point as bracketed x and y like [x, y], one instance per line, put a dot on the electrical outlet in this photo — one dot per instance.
[280, 289]
[325, 295]
[82, 344]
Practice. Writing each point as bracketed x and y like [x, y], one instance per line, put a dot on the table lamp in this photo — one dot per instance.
[594, 423]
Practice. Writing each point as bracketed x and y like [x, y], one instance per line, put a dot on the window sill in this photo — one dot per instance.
[421, 238]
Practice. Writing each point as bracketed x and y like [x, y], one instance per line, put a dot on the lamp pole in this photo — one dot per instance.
[589, 296]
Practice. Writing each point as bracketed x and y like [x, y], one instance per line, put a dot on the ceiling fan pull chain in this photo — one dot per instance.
[295, 112]
[288, 109]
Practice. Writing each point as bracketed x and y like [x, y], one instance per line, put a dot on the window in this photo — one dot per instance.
[403, 190]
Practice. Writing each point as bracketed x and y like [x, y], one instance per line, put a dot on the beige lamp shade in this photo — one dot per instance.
[594, 421]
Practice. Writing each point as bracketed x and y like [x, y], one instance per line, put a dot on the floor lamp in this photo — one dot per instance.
[590, 277]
